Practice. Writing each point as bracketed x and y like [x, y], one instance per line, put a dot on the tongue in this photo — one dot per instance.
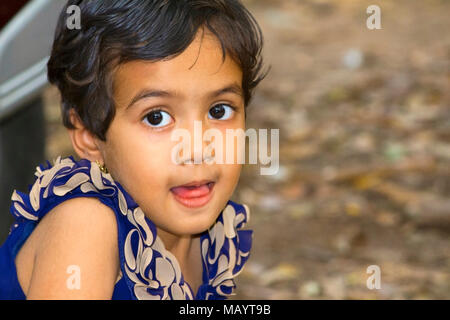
[191, 192]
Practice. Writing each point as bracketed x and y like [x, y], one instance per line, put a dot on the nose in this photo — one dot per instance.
[191, 150]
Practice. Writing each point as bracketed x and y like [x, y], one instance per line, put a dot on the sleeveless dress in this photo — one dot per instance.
[147, 269]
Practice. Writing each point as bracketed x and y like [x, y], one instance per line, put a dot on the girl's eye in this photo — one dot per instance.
[158, 119]
[221, 112]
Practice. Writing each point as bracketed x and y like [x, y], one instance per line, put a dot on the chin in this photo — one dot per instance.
[192, 222]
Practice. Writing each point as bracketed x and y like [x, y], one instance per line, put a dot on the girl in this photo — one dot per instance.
[125, 221]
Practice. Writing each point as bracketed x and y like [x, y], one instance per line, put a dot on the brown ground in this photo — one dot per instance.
[364, 152]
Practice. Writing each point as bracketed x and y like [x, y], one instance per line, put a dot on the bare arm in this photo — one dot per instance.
[77, 254]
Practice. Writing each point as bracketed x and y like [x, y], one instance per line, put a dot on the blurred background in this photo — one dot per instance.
[364, 179]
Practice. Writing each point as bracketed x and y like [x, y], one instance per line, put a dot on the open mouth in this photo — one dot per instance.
[194, 194]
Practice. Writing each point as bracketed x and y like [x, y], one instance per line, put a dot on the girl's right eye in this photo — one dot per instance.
[158, 119]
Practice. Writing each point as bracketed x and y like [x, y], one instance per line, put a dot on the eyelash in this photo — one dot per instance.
[158, 109]
[233, 108]
[152, 111]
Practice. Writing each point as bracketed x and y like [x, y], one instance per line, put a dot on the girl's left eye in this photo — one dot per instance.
[221, 112]
[158, 119]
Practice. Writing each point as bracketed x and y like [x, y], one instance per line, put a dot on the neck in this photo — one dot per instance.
[179, 245]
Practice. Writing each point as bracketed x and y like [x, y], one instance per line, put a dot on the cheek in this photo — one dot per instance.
[231, 172]
[229, 145]
[138, 162]
[145, 176]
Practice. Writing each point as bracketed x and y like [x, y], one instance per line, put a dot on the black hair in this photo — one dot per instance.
[113, 32]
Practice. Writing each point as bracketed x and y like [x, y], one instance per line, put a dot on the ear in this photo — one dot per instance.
[85, 143]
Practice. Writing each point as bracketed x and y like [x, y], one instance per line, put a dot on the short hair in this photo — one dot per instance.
[113, 32]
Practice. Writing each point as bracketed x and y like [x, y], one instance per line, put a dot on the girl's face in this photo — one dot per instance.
[152, 100]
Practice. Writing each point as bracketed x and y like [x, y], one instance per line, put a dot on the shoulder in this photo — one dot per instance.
[80, 215]
[79, 234]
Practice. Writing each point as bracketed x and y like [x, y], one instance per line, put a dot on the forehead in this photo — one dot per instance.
[197, 70]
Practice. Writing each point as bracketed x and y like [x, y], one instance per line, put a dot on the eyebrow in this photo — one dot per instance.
[154, 93]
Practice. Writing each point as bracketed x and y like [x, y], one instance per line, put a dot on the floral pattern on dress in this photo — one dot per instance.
[150, 271]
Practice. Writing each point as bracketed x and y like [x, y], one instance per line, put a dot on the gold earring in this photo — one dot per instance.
[102, 167]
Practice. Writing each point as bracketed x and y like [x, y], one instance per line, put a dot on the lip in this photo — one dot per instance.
[194, 194]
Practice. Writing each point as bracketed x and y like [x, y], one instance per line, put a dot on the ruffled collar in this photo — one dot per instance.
[149, 270]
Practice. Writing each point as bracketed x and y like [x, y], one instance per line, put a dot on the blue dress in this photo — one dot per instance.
[147, 269]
